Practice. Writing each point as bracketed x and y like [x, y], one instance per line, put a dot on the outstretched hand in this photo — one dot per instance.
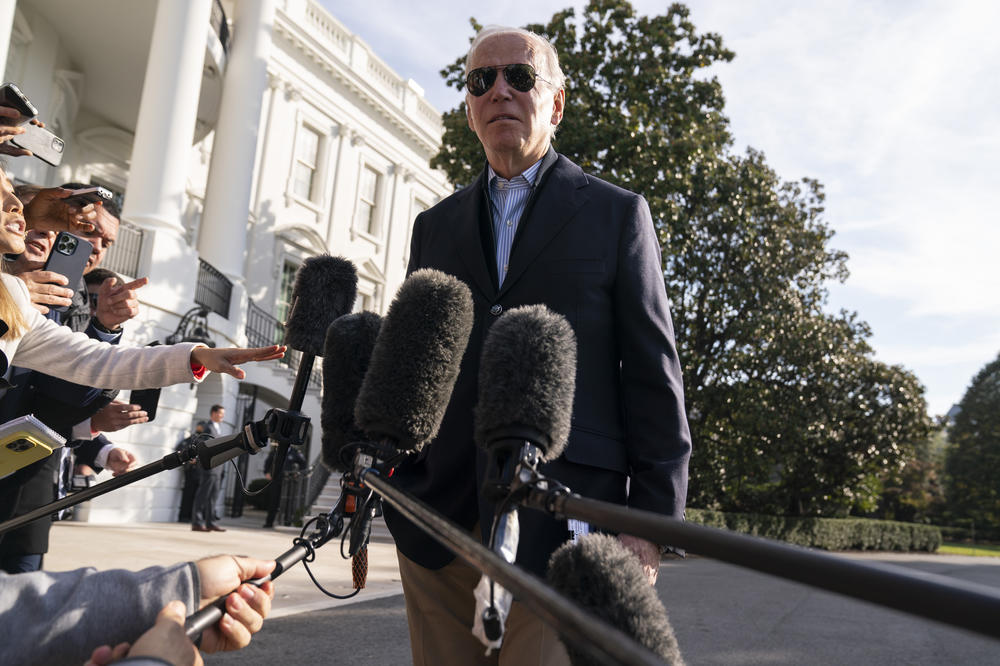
[226, 359]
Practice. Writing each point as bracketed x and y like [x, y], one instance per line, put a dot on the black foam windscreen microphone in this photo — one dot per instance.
[416, 360]
[606, 580]
[350, 341]
[324, 289]
[527, 378]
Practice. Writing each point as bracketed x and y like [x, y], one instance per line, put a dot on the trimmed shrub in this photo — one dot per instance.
[826, 533]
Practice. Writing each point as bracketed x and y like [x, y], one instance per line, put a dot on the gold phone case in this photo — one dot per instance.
[25, 440]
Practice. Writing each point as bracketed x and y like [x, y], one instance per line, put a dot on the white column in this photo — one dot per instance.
[167, 113]
[7, 8]
[223, 236]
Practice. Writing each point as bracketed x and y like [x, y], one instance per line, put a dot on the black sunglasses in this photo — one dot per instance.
[520, 77]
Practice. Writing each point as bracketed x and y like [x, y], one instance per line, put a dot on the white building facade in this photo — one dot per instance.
[242, 137]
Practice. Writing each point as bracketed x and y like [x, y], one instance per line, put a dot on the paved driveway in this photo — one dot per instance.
[721, 614]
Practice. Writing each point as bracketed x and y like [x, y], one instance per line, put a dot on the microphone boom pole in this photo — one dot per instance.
[599, 639]
[966, 605]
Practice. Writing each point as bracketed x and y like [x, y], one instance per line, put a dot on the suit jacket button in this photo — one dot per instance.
[496, 310]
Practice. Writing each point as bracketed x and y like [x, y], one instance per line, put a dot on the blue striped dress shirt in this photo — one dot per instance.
[507, 199]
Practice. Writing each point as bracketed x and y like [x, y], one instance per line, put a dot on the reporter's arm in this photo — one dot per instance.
[58, 617]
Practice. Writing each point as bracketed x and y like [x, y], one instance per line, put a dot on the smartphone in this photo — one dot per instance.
[11, 95]
[147, 399]
[88, 195]
[42, 143]
[68, 257]
[25, 440]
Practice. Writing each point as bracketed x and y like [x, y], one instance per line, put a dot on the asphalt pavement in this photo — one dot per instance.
[721, 614]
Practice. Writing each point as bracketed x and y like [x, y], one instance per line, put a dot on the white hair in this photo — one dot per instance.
[549, 58]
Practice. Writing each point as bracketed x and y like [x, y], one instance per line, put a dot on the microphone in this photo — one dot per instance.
[413, 368]
[349, 343]
[415, 361]
[526, 383]
[606, 580]
[324, 289]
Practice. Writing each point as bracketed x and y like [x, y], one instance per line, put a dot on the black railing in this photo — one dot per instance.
[220, 25]
[214, 290]
[263, 330]
[123, 256]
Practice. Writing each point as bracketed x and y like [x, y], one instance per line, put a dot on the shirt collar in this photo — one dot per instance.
[527, 177]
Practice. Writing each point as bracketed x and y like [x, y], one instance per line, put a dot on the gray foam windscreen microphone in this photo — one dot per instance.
[324, 289]
[606, 580]
[527, 378]
[416, 360]
[350, 341]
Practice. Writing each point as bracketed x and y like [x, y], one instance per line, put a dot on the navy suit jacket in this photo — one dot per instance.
[588, 251]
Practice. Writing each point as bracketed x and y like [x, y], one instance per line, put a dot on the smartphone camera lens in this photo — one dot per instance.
[58, 145]
[19, 445]
[66, 245]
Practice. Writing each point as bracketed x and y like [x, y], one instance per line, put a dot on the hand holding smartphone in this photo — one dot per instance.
[12, 97]
[68, 257]
[42, 143]
[88, 195]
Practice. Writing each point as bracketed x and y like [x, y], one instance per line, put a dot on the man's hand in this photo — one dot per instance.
[117, 303]
[47, 289]
[226, 359]
[165, 640]
[117, 415]
[48, 212]
[647, 552]
[120, 461]
[245, 609]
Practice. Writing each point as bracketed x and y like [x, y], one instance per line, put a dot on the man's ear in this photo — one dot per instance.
[468, 114]
[558, 105]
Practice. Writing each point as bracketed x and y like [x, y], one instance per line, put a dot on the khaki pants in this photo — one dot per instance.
[440, 609]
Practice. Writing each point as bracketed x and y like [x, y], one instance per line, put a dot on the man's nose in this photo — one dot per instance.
[501, 89]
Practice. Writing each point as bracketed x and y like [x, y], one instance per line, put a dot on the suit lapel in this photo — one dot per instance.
[561, 194]
[468, 240]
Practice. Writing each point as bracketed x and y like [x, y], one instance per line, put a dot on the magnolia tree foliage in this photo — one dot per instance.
[788, 410]
[972, 462]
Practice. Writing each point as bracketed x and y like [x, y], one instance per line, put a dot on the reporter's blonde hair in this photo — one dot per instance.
[10, 313]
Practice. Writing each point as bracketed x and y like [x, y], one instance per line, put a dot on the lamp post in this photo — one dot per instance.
[193, 327]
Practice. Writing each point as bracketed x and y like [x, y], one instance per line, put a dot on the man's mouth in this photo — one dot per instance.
[502, 116]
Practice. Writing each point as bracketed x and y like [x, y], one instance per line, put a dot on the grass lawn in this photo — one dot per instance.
[981, 550]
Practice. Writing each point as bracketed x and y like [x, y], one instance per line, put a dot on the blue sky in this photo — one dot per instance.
[893, 106]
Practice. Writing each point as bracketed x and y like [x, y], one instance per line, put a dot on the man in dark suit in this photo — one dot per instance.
[534, 228]
[209, 481]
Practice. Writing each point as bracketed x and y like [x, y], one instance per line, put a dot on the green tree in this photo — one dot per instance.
[788, 410]
[972, 463]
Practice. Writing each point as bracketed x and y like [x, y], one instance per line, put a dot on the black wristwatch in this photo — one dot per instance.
[102, 328]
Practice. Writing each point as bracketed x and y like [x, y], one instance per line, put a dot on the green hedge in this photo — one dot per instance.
[826, 533]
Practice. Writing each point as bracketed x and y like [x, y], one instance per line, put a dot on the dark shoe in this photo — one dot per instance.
[215, 528]
[200, 528]
[268, 526]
